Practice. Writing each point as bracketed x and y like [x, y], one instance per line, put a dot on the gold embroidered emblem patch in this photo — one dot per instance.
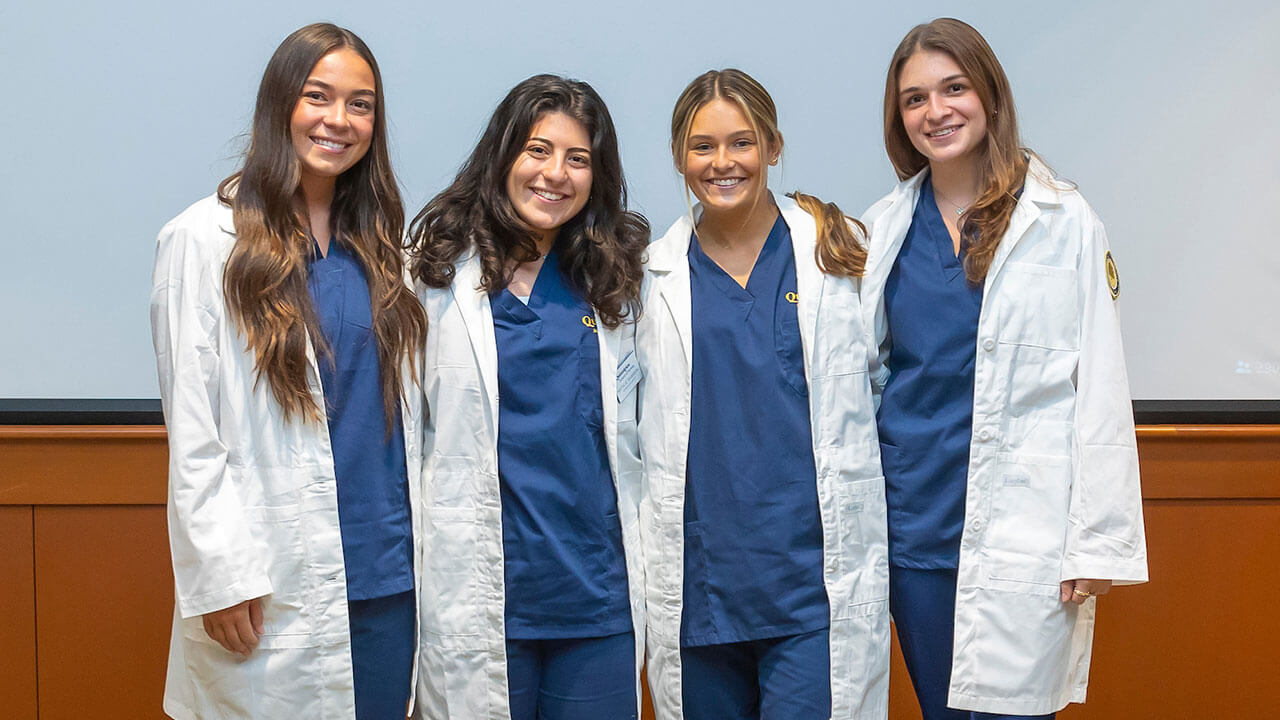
[1113, 277]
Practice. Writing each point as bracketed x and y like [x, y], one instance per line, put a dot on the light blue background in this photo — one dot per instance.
[118, 115]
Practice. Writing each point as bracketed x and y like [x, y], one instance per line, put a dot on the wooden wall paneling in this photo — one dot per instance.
[104, 600]
[1214, 461]
[89, 465]
[17, 615]
[1201, 640]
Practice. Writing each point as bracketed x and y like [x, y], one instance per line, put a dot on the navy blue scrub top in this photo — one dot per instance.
[373, 491]
[562, 541]
[926, 412]
[753, 532]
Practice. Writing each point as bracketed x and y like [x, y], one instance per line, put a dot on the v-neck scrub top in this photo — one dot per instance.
[753, 534]
[926, 411]
[562, 539]
[369, 464]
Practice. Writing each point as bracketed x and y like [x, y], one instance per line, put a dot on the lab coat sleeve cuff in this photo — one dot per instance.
[1120, 572]
[194, 606]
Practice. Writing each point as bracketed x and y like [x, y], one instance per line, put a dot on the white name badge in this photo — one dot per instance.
[629, 375]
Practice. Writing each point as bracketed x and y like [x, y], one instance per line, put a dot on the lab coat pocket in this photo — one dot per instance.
[449, 606]
[285, 612]
[1027, 520]
[1039, 306]
[839, 347]
[863, 544]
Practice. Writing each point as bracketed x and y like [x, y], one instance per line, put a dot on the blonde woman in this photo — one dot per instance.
[763, 510]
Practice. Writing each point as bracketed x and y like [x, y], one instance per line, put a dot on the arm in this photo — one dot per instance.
[216, 563]
[1105, 537]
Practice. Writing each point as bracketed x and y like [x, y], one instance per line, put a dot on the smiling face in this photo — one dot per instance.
[332, 124]
[550, 181]
[724, 160]
[941, 112]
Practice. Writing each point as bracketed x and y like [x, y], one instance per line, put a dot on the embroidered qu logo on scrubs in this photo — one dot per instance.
[590, 322]
[1113, 277]
[793, 298]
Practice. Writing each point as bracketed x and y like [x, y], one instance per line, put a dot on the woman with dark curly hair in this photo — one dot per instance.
[529, 267]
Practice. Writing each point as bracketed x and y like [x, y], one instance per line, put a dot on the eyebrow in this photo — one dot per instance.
[326, 86]
[548, 142]
[944, 81]
[735, 133]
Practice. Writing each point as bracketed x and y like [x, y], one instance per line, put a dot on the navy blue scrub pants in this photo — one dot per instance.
[784, 678]
[382, 649]
[572, 678]
[923, 604]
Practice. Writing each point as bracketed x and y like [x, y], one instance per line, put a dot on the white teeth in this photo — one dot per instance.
[727, 182]
[942, 133]
[548, 195]
[328, 143]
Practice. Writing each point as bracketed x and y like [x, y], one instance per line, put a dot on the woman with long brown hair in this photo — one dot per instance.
[529, 266]
[763, 504]
[286, 342]
[1005, 422]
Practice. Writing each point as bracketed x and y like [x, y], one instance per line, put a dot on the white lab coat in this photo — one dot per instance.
[463, 661]
[253, 508]
[850, 483]
[1053, 467]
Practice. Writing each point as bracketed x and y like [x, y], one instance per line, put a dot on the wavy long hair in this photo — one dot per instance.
[601, 248]
[840, 249]
[265, 280]
[1002, 161]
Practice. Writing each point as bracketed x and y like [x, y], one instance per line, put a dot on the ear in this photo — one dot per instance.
[774, 150]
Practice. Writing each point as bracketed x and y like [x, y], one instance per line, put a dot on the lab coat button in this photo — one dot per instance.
[984, 434]
[988, 344]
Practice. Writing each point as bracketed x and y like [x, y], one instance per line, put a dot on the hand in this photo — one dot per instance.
[1077, 591]
[236, 628]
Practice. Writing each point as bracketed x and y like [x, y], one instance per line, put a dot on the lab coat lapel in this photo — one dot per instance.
[669, 262]
[609, 339]
[473, 305]
[1036, 198]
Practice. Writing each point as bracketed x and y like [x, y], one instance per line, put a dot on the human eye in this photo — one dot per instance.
[912, 100]
[956, 88]
[743, 143]
[314, 96]
[537, 150]
[580, 160]
[362, 106]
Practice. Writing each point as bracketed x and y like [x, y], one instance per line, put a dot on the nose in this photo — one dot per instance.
[721, 160]
[555, 170]
[336, 115]
[936, 107]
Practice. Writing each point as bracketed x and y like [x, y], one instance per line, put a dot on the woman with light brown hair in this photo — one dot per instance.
[1005, 423]
[763, 504]
[286, 341]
